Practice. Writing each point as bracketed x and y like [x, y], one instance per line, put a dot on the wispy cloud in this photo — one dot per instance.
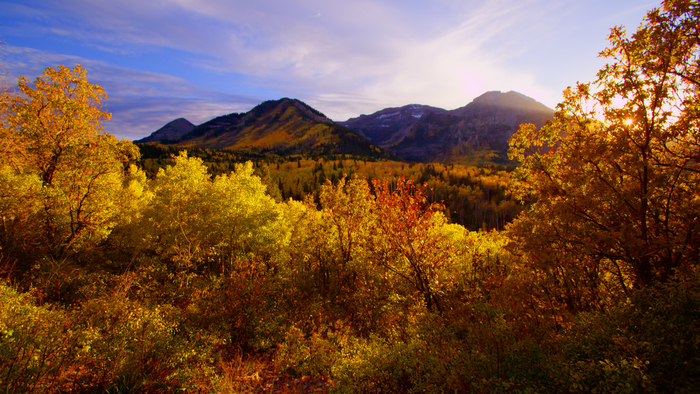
[343, 57]
[141, 102]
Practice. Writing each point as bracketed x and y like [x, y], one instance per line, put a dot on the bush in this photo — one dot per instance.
[135, 346]
[483, 353]
[38, 348]
[651, 344]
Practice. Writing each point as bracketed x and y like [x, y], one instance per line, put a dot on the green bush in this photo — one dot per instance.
[484, 353]
[651, 344]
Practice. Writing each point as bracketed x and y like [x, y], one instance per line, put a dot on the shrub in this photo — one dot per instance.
[38, 348]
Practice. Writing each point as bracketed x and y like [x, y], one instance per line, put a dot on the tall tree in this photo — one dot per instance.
[54, 155]
[613, 178]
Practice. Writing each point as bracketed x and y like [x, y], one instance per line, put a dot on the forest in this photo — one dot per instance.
[474, 196]
[575, 271]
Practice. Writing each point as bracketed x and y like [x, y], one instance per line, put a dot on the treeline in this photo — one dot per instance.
[114, 281]
[475, 197]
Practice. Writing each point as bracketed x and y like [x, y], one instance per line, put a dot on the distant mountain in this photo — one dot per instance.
[446, 138]
[508, 109]
[172, 131]
[412, 132]
[423, 133]
[381, 126]
[282, 127]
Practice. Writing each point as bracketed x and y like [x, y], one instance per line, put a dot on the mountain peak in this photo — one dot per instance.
[509, 109]
[509, 99]
[307, 110]
[280, 127]
[172, 131]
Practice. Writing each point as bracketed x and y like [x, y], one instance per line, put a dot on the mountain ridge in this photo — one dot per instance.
[482, 126]
[414, 132]
[280, 127]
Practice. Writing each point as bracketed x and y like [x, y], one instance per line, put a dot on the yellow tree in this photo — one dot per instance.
[614, 178]
[347, 211]
[54, 156]
[194, 220]
[247, 221]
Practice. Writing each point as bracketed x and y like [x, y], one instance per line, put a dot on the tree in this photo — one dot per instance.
[613, 178]
[408, 239]
[69, 174]
[347, 206]
[176, 223]
[194, 220]
[247, 219]
[327, 252]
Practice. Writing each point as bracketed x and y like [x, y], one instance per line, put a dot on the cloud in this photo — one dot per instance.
[140, 102]
[342, 57]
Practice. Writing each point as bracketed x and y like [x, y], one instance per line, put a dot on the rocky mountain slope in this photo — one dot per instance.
[381, 126]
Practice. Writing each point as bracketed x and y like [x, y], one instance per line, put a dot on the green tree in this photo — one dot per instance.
[614, 177]
[69, 175]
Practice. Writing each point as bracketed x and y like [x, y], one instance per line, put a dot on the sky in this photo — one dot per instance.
[159, 60]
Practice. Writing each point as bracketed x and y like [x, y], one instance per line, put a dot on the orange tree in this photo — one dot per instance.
[61, 177]
[613, 178]
[408, 240]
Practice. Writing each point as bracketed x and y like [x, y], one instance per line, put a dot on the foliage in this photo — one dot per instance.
[109, 342]
[36, 344]
[475, 197]
[648, 345]
[484, 355]
[66, 172]
[194, 220]
[407, 243]
[612, 177]
[200, 278]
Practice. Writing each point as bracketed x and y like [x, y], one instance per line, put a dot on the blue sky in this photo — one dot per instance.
[163, 59]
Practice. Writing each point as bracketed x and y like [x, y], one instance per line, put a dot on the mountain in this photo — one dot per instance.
[508, 109]
[282, 127]
[446, 138]
[172, 131]
[423, 133]
[413, 132]
[381, 126]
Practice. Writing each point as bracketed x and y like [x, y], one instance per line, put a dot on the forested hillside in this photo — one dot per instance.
[274, 128]
[475, 197]
[127, 274]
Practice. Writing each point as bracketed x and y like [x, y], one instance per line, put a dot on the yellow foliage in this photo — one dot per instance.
[53, 134]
